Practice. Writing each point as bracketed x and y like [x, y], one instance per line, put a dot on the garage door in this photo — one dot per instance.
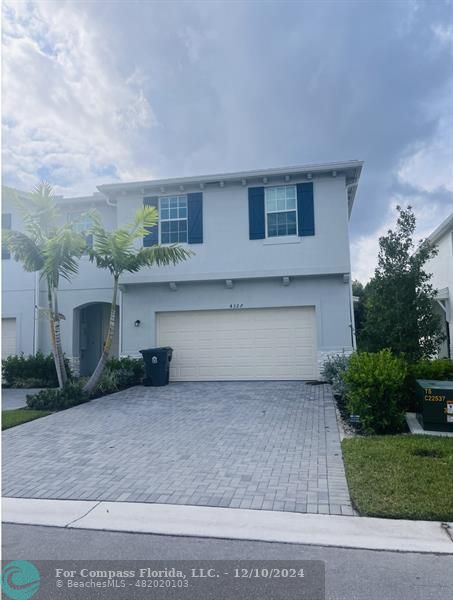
[213, 345]
[8, 337]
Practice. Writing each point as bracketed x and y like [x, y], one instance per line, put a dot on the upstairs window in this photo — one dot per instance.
[173, 219]
[281, 210]
[81, 223]
[6, 224]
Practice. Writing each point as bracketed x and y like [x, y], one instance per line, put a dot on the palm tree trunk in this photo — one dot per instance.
[64, 376]
[94, 379]
[53, 338]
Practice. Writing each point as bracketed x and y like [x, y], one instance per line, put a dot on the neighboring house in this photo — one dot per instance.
[267, 294]
[441, 267]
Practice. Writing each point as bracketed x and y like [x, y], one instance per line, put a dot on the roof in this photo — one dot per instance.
[350, 169]
[445, 226]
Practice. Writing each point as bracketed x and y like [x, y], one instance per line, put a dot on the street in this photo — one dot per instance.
[350, 574]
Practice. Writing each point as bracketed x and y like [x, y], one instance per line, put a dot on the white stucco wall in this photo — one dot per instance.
[316, 265]
[329, 296]
[18, 288]
[441, 266]
[228, 252]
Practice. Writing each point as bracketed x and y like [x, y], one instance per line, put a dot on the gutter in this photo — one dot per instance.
[36, 315]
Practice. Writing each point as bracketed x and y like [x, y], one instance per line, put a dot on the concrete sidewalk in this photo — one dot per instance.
[13, 398]
[242, 524]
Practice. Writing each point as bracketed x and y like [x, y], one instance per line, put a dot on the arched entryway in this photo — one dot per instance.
[91, 323]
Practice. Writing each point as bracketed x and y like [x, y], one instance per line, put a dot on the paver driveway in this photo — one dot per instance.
[263, 445]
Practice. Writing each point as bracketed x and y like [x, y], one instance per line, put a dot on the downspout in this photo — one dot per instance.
[109, 202]
[351, 297]
[36, 314]
[120, 324]
[352, 316]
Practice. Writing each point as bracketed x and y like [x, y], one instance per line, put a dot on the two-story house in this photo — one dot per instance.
[441, 267]
[267, 294]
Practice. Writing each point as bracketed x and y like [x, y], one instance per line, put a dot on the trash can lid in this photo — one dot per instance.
[158, 349]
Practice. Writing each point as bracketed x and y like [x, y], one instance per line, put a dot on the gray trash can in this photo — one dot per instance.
[157, 365]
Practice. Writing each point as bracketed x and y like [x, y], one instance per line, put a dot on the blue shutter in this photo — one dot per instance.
[257, 227]
[153, 232]
[195, 218]
[6, 224]
[305, 209]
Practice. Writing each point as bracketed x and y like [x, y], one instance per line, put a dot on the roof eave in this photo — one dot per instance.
[338, 167]
[443, 228]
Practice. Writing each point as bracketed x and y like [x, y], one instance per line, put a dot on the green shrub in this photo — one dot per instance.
[375, 384]
[119, 374]
[133, 368]
[108, 384]
[440, 369]
[30, 382]
[35, 371]
[333, 370]
[55, 399]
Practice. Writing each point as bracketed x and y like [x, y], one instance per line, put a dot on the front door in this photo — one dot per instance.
[91, 339]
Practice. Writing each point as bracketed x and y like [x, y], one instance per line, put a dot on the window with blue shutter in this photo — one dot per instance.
[81, 223]
[195, 218]
[152, 237]
[281, 210]
[305, 209]
[6, 224]
[257, 227]
[173, 219]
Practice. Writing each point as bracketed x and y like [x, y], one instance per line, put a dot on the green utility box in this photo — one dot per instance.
[435, 404]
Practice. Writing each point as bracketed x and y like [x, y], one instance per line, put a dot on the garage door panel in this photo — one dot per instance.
[8, 337]
[275, 343]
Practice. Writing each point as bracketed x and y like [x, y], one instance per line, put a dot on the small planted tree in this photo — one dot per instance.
[399, 298]
[50, 248]
[117, 252]
[358, 292]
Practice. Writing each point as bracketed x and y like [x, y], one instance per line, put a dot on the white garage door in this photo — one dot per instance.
[8, 337]
[212, 345]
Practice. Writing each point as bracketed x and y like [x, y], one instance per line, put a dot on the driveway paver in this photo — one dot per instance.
[262, 445]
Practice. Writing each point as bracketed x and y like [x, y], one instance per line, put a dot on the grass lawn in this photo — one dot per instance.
[401, 476]
[11, 418]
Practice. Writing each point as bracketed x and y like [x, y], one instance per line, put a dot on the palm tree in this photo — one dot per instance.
[116, 251]
[50, 248]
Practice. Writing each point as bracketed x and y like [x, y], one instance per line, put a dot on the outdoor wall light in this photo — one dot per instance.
[137, 323]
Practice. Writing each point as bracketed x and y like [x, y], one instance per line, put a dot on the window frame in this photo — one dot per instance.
[267, 212]
[169, 220]
[73, 219]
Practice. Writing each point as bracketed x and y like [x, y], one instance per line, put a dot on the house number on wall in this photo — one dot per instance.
[236, 306]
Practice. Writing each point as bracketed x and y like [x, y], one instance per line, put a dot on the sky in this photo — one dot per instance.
[105, 91]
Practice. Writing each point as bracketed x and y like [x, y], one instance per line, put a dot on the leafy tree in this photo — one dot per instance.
[117, 252]
[50, 248]
[399, 298]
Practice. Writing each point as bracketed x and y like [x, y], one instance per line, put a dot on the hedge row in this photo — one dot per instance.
[380, 387]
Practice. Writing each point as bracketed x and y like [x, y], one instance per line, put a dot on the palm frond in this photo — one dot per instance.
[159, 256]
[61, 253]
[23, 249]
[39, 210]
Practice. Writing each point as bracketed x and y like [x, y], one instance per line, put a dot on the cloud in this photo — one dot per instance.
[66, 107]
[365, 247]
[101, 91]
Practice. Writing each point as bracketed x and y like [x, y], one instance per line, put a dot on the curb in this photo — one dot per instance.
[234, 523]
